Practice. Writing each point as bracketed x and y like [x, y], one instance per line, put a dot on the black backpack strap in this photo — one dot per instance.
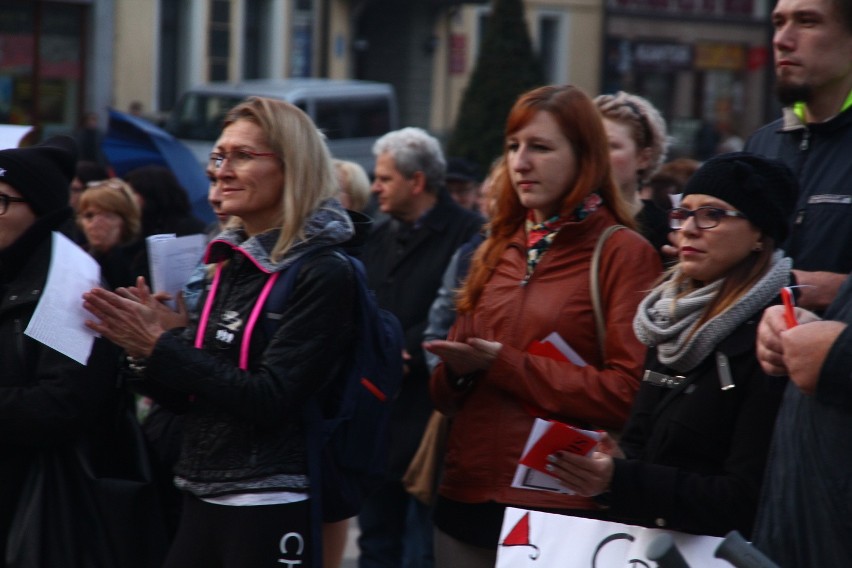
[273, 309]
[279, 295]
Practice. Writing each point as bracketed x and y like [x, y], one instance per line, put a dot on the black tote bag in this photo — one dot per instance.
[90, 504]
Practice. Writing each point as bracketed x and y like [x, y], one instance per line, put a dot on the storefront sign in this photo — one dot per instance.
[720, 56]
[653, 56]
[458, 54]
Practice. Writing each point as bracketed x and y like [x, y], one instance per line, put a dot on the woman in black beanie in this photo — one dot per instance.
[48, 402]
[693, 452]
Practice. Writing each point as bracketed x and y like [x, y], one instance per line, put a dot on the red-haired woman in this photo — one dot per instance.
[529, 279]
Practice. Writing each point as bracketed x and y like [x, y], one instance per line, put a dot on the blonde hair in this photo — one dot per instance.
[308, 171]
[114, 196]
[647, 126]
[354, 182]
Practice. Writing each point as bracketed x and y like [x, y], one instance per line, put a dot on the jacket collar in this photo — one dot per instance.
[329, 225]
[589, 229]
[793, 118]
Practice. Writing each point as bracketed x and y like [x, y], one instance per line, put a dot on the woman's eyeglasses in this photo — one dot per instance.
[705, 217]
[5, 200]
[237, 158]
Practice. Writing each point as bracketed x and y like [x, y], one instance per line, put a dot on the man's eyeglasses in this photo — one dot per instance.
[705, 217]
[237, 158]
[5, 200]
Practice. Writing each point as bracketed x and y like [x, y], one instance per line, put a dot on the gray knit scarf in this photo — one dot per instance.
[665, 321]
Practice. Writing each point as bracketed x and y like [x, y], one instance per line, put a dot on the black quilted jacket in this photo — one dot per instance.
[243, 430]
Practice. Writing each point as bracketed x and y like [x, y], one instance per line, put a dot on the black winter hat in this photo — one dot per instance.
[41, 173]
[460, 169]
[763, 189]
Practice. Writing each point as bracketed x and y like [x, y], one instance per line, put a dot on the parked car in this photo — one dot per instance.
[352, 114]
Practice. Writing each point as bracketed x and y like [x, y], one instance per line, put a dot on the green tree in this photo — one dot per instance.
[506, 67]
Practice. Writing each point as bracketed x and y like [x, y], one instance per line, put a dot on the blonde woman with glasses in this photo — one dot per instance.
[243, 461]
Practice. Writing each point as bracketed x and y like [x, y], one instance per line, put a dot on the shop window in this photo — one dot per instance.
[41, 69]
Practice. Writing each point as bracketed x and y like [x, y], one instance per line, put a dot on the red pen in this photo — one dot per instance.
[789, 312]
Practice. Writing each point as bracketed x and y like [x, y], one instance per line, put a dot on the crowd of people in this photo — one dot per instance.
[720, 408]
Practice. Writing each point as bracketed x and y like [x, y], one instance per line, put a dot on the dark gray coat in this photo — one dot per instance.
[805, 514]
[405, 269]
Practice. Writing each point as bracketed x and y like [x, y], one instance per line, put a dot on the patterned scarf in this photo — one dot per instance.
[540, 235]
[666, 322]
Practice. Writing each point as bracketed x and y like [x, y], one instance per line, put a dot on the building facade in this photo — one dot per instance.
[704, 63]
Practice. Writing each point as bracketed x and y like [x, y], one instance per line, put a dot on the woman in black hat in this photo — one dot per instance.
[694, 450]
[49, 403]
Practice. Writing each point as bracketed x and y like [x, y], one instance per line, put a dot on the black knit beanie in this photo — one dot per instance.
[763, 189]
[41, 173]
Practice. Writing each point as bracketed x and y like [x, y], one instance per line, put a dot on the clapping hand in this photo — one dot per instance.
[130, 321]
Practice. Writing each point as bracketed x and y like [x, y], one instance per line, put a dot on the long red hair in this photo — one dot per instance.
[580, 122]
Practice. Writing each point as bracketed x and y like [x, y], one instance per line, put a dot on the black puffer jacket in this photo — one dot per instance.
[243, 430]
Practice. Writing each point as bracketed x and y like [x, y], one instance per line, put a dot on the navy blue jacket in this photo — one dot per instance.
[820, 156]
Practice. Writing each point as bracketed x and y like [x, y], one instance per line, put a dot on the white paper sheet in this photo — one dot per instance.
[58, 318]
[12, 134]
[172, 259]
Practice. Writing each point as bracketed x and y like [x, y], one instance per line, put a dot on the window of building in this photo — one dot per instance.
[41, 66]
[219, 40]
[256, 39]
[552, 37]
[301, 62]
[172, 22]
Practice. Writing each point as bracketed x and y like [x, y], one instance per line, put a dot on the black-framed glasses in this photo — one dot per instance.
[705, 217]
[237, 158]
[5, 200]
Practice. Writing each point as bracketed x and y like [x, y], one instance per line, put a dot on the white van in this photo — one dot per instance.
[352, 114]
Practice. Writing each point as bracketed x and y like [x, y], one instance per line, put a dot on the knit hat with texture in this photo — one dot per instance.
[763, 189]
[41, 173]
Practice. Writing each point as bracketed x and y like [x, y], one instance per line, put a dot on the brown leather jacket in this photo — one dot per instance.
[492, 420]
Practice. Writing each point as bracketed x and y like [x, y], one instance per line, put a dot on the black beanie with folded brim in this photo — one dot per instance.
[763, 189]
[41, 173]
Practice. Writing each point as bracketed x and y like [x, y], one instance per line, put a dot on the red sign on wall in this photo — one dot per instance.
[458, 54]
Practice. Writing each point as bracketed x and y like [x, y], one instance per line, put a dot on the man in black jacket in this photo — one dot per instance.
[405, 259]
[813, 51]
[804, 514]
